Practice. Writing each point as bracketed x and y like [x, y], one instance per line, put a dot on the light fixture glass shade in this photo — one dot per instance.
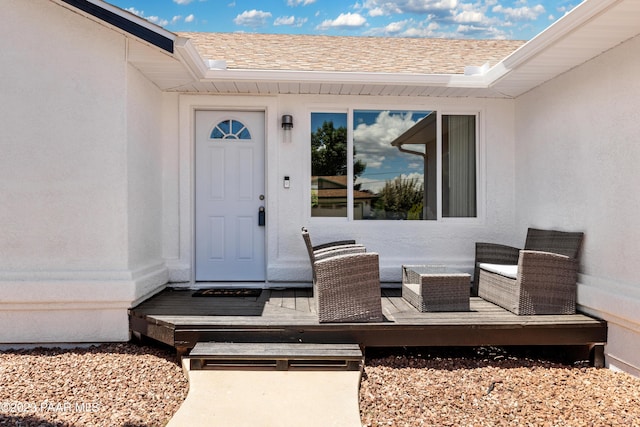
[287, 125]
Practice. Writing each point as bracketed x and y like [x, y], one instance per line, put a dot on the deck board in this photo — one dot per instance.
[176, 318]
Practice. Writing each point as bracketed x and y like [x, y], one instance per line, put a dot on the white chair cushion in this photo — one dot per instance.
[510, 271]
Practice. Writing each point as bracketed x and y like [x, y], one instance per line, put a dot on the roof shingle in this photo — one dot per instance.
[286, 52]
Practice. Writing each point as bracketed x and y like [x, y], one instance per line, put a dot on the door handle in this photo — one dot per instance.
[261, 216]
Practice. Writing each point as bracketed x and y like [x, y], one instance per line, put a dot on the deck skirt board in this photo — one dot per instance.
[276, 356]
[288, 316]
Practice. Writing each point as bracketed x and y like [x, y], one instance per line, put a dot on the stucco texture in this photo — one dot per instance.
[80, 178]
[576, 169]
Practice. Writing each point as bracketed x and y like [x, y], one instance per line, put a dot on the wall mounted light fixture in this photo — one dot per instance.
[287, 122]
[287, 125]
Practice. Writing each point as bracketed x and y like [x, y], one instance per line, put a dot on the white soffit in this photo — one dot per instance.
[592, 28]
[164, 70]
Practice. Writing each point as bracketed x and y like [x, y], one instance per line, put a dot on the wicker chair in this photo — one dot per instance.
[540, 279]
[346, 281]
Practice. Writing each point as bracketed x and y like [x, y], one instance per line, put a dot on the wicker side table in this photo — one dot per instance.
[435, 288]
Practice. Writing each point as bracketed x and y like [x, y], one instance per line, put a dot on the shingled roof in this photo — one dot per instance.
[287, 52]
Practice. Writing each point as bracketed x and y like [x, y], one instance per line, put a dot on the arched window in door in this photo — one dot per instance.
[230, 129]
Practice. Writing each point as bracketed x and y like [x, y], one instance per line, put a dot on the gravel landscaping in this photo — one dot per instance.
[106, 385]
[494, 387]
[134, 386]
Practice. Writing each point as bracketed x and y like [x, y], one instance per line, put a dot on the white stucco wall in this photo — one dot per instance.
[68, 198]
[144, 179]
[577, 157]
[449, 241]
[177, 262]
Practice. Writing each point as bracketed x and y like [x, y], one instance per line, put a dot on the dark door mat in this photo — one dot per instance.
[243, 293]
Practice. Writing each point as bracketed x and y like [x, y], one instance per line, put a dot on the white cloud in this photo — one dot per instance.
[468, 16]
[520, 13]
[423, 31]
[345, 21]
[395, 27]
[176, 19]
[290, 21]
[190, 18]
[294, 3]
[153, 19]
[374, 140]
[407, 28]
[566, 9]
[252, 18]
[377, 11]
[389, 7]
[285, 20]
[414, 176]
[472, 31]
[135, 11]
[182, 1]
[157, 20]
[473, 14]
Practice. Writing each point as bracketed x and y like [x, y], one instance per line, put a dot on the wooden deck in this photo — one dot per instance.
[176, 318]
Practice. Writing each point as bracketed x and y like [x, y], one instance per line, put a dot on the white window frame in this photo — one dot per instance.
[479, 159]
[479, 172]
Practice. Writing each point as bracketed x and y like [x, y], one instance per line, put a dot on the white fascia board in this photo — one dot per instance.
[188, 55]
[441, 80]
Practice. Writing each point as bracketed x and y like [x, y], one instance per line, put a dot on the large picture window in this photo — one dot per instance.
[403, 163]
[392, 151]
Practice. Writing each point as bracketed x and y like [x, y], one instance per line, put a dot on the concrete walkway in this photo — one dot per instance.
[232, 398]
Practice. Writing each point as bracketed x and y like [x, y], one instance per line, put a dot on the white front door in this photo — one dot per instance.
[229, 191]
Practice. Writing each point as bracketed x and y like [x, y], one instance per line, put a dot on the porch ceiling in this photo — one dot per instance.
[590, 29]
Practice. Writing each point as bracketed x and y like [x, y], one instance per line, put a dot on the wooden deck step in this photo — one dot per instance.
[276, 356]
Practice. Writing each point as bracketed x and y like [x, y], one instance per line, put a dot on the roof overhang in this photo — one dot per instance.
[220, 80]
[590, 29]
[150, 48]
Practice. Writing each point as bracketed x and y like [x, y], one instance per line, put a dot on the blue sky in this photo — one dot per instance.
[483, 19]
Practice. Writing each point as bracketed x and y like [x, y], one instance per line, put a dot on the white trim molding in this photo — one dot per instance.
[70, 307]
[617, 303]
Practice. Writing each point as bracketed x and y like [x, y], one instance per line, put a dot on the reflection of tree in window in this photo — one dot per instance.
[395, 176]
[329, 170]
[401, 199]
[329, 152]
